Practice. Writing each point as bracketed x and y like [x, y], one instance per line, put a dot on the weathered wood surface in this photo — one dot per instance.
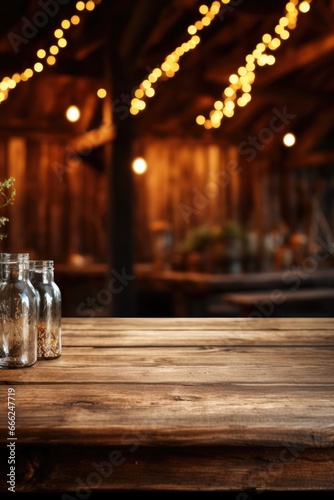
[190, 404]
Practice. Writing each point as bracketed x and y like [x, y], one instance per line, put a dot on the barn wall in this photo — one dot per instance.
[61, 202]
[188, 184]
[60, 205]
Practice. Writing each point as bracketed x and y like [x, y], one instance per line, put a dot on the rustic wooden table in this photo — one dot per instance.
[174, 404]
[191, 292]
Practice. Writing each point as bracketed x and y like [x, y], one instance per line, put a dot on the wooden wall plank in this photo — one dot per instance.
[17, 169]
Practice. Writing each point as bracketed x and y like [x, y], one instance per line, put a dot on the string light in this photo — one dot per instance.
[238, 92]
[9, 83]
[101, 93]
[170, 65]
[240, 83]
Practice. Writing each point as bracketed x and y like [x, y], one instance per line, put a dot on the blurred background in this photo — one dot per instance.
[173, 158]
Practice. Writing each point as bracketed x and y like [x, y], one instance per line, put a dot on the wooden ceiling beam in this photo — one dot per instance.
[294, 59]
[319, 124]
[160, 31]
[92, 139]
[88, 49]
[288, 62]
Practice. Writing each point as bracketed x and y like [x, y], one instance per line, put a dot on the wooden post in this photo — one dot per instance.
[118, 158]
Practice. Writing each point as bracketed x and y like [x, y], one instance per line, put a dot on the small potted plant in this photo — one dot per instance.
[197, 248]
[229, 245]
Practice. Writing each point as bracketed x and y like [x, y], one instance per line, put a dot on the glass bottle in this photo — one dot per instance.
[33, 295]
[41, 274]
[18, 313]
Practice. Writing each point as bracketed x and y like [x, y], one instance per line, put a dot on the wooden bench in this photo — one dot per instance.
[268, 303]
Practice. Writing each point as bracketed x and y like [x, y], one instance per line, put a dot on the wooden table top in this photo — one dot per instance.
[199, 404]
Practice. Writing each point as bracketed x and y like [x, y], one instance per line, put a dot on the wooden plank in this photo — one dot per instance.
[231, 414]
[165, 337]
[130, 468]
[74, 178]
[46, 173]
[212, 366]
[17, 169]
[244, 406]
[56, 196]
[93, 138]
[32, 200]
[205, 325]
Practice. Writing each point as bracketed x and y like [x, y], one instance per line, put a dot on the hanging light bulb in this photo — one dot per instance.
[139, 165]
[73, 114]
[289, 139]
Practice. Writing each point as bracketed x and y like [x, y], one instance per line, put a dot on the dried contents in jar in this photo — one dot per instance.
[48, 346]
[49, 309]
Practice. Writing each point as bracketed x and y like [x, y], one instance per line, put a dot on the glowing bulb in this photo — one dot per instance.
[80, 6]
[41, 53]
[73, 114]
[54, 50]
[51, 60]
[289, 140]
[58, 33]
[200, 120]
[139, 165]
[65, 24]
[38, 67]
[101, 93]
[304, 7]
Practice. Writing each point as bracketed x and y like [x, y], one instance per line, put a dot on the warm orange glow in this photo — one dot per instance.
[75, 19]
[28, 72]
[90, 5]
[16, 77]
[51, 60]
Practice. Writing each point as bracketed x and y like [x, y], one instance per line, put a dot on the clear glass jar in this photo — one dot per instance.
[18, 313]
[41, 274]
[33, 295]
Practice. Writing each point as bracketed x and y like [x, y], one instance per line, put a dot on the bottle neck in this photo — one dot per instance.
[17, 266]
[13, 271]
[41, 270]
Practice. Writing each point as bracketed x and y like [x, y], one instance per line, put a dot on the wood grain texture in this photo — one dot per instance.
[132, 467]
[204, 404]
